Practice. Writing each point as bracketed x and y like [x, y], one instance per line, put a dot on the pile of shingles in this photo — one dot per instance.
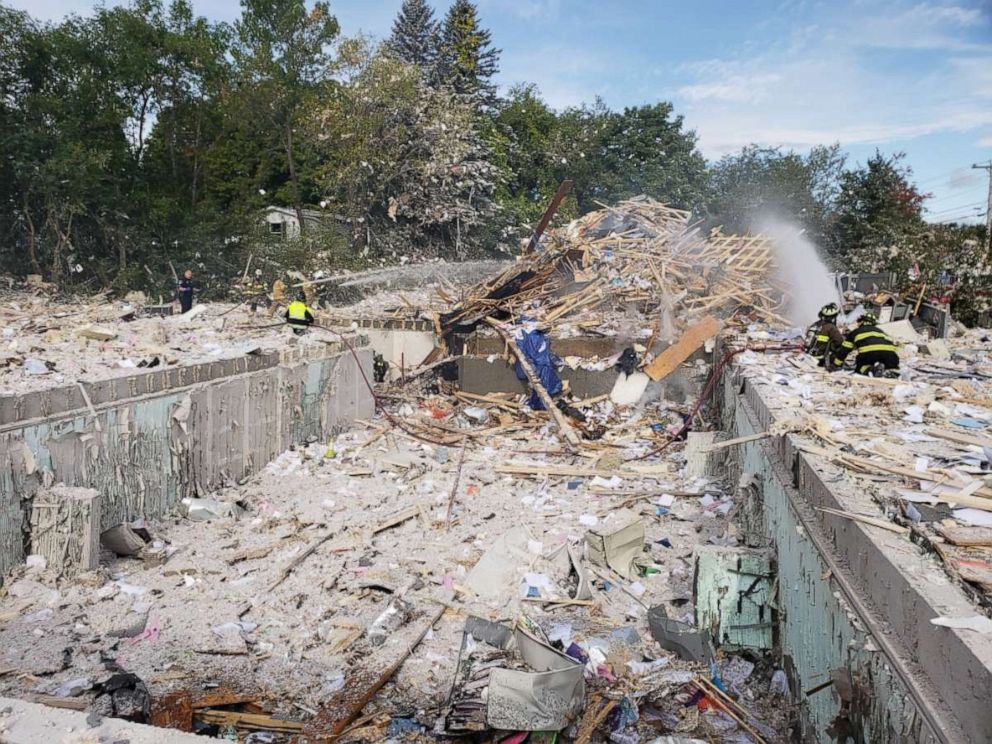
[638, 252]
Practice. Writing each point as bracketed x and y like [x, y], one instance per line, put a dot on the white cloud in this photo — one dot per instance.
[964, 178]
[825, 84]
[733, 88]
[921, 26]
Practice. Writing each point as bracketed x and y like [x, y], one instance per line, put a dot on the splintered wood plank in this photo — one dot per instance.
[363, 680]
[670, 359]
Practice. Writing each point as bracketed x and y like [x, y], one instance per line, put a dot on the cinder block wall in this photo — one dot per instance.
[167, 434]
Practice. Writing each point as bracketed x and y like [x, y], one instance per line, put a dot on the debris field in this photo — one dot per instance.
[502, 566]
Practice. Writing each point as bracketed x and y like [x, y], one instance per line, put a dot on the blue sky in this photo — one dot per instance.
[898, 75]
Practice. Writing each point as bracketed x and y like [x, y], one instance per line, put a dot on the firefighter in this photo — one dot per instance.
[876, 354]
[824, 339]
[299, 315]
[278, 296]
[253, 290]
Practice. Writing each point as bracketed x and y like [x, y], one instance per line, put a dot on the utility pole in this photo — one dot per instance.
[988, 207]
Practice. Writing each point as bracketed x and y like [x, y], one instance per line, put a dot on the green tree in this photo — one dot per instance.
[522, 137]
[647, 151]
[467, 60]
[195, 74]
[877, 215]
[282, 59]
[415, 35]
[403, 163]
[616, 155]
[69, 162]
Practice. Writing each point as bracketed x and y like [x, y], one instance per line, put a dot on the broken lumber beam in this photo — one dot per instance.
[338, 713]
[633, 471]
[970, 537]
[252, 721]
[53, 701]
[716, 446]
[535, 382]
[959, 437]
[306, 553]
[251, 554]
[671, 358]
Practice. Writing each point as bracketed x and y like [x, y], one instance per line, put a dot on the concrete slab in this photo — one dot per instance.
[30, 723]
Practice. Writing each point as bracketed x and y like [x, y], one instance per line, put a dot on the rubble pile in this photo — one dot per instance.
[505, 567]
[46, 343]
[487, 586]
[639, 255]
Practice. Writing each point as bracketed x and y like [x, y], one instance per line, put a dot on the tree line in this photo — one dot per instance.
[143, 137]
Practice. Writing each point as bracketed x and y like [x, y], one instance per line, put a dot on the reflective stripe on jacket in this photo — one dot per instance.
[864, 339]
[824, 337]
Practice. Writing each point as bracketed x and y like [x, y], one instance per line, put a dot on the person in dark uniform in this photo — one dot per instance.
[876, 354]
[824, 338]
[184, 291]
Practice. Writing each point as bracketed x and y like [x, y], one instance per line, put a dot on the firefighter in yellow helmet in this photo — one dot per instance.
[299, 315]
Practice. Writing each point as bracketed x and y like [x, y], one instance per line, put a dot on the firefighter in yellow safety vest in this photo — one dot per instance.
[299, 315]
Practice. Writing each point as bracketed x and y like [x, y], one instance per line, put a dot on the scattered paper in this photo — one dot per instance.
[968, 423]
[976, 517]
[899, 392]
[914, 414]
[612, 483]
[917, 497]
[666, 500]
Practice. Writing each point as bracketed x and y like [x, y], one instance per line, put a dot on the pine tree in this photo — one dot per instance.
[414, 39]
[467, 59]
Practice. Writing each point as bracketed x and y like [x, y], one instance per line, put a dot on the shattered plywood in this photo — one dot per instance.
[690, 342]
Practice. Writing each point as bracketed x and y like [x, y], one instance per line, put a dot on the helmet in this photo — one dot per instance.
[868, 318]
[828, 312]
[258, 272]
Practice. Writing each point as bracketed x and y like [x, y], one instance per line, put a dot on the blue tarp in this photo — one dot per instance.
[536, 348]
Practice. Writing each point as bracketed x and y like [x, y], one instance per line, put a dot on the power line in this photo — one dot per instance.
[959, 213]
[950, 220]
[933, 213]
[947, 197]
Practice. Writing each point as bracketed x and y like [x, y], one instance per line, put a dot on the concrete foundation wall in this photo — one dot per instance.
[403, 349]
[851, 598]
[160, 436]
